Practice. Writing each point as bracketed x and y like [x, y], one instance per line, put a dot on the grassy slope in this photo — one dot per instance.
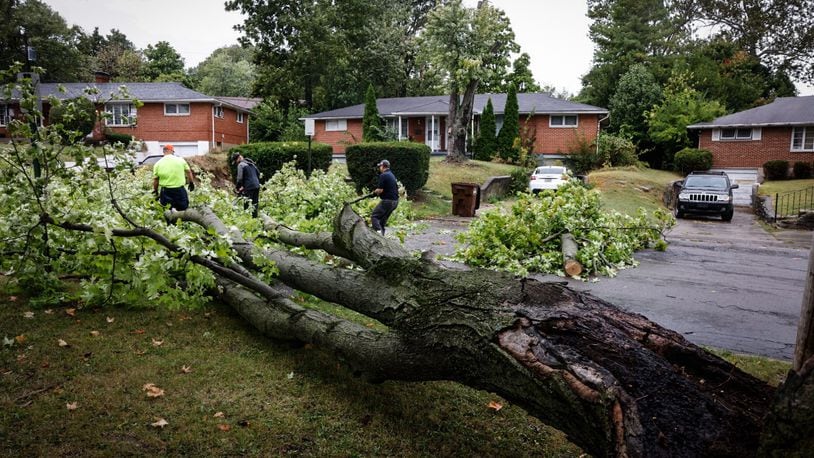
[769, 188]
[627, 189]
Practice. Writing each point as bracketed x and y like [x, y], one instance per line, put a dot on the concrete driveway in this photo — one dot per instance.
[726, 285]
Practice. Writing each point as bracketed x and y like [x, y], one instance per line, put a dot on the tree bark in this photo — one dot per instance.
[804, 348]
[614, 382]
[460, 115]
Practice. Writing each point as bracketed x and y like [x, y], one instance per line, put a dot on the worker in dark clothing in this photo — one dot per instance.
[388, 191]
[247, 181]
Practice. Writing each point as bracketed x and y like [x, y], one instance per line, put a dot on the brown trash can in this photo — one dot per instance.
[465, 199]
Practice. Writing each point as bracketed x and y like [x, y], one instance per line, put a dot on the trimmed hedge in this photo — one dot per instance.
[410, 163]
[776, 170]
[802, 170]
[690, 159]
[270, 156]
[113, 137]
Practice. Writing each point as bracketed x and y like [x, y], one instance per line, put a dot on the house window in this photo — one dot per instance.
[120, 114]
[563, 121]
[3, 115]
[802, 139]
[176, 109]
[736, 134]
[217, 111]
[498, 123]
[393, 126]
[240, 117]
[334, 125]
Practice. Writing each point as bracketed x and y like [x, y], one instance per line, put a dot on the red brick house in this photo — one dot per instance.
[171, 113]
[781, 130]
[560, 124]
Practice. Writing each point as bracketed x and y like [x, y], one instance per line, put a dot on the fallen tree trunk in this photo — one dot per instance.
[614, 382]
[570, 264]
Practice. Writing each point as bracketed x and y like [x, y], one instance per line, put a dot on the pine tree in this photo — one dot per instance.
[487, 138]
[371, 122]
[511, 127]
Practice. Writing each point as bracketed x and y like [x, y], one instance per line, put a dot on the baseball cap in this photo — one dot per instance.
[384, 162]
[234, 157]
[169, 147]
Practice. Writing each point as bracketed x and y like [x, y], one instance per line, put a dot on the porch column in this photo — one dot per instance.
[432, 133]
[400, 135]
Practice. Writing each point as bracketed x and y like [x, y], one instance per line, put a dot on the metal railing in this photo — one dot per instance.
[790, 204]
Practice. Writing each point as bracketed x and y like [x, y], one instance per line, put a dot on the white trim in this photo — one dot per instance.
[736, 137]
[177, 105]
[757, 133]
[716, 135]
[563, 125]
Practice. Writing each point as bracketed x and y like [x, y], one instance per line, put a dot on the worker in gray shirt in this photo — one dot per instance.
[247, 181]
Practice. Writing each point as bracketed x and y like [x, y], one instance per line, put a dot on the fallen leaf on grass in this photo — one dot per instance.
[157, 343]
[7, 342]
[72, 405]
[110, 319]
[161, 423]
[49, 311]
[70, 312]
[224, 427]
[218, 415]
[138, 331]
[186, 369]
[140, 352]
[21, 338]
[28, 315]
[290, 375]
[12, 298]
[95, 333]
[152, 390]
[495, 405]
[45, 365]
[62, 343]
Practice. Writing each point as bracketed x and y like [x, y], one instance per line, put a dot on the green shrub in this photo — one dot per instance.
[617, 151]
[520, 180]
[584, 157]
[270, 156]
[776, 170]
[113, 137]
[690, 159]
[78, 116]
[802, 170]
[410, 163]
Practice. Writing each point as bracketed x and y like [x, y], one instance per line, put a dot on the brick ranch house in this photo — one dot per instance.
[781, 130]
[560, 124]
[192, 122]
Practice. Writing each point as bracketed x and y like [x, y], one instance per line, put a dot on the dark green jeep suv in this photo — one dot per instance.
[706, 193]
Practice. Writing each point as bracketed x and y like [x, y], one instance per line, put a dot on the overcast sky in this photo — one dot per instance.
[553, 32]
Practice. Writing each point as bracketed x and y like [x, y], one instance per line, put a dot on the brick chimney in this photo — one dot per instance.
[101, 77]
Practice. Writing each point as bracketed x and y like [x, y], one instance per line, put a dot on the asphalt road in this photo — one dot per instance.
[726, 285]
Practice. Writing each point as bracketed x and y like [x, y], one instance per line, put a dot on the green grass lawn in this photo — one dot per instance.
[243, 394]
[628, 188]
[770, 188]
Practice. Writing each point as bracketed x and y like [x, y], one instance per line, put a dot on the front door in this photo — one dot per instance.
[433, 135]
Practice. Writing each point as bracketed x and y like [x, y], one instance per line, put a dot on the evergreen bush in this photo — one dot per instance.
[690, 159]
[410, 163]
[802, 170]
[270, 156]
[510, 129]
[487, 135]
[776, 170]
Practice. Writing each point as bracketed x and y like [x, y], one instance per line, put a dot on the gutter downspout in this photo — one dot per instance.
[248, 139]
[212, 114]
[598, 126]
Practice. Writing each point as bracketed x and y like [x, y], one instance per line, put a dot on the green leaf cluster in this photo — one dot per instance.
[526, 238]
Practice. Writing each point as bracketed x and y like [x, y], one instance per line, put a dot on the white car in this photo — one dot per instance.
[548, 177]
